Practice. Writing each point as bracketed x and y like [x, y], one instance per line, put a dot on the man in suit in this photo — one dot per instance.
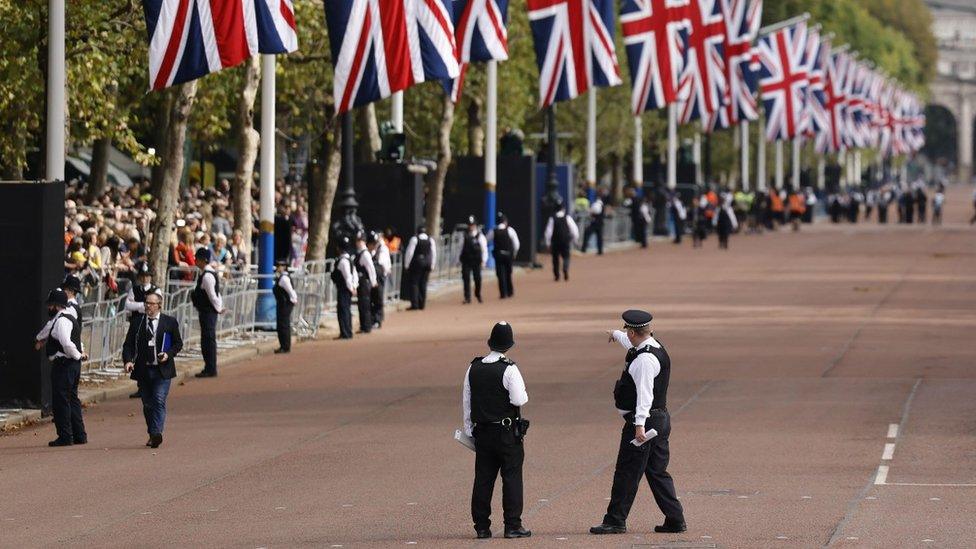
[150, 346]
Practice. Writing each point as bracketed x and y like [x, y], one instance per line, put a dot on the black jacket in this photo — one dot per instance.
[136, 348]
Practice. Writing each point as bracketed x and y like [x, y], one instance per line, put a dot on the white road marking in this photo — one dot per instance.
[871, 497]
[935, 499]
[889, 451]
[411, 503]
[743, 497]
[893, 430]
[706, 537]
[279, 508]
[882, 475]
[935, 485]
[76, 516]
[411, 543]
[806, 497]
[543, 499]
[347, 505]
[562, 539]
[927, 540]
[852, 538]
[336, 545]
[782, 537]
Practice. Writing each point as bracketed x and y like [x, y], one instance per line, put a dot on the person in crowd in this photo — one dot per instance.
[346, 281]
[640, 216]
[921, 203]
[220, 252]
[504, 251]
[776, 210]
[391, 239]
[209, 304]
[597, 212]
[63, 349]
[75, 258]
[938, 201]
[220, 224]
[238, 255]
[870, 201]
[702, 222]
[679, 214]
[367, 281]
[810, 199]
[383, 266]
[151, 345]
[491, 399]
[285, 300]
[797, 206]
[725, 222]
[420, 258]
[885, 197]
[474, 256]
[560, 235]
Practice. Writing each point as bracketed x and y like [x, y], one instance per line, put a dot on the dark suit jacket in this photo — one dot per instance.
[136, 347]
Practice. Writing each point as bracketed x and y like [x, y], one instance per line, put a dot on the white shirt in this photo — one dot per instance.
[511, 380]
[645, 212]
[133, 306]
[511, 234]
[482, 245]
[366, 262]
[348, 273]
[285, 282]
[412, 245]
[152, 326]
[209, 285]
[573, 229]
[938, 200]
[679, 209]
[643, 369]
[382, 257]
[46, 329]
[61, 332]
[596, 208]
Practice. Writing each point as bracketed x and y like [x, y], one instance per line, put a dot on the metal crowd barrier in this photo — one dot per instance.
[617, 227]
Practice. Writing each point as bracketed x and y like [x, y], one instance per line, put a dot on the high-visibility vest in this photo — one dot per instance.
[775, 202]
[797, 204]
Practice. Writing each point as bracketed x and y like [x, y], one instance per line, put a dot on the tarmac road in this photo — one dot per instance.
[797, 358]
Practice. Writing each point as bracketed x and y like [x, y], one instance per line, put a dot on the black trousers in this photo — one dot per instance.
[65, 375]
[723, 239]
[497, 451]
[363, 295]
[640, 232]
[594, 229]
[503, 270]
[377, 299]
[649, 461]
[469, 273]
[283, 311]
[208, 340]
[560, 252]
[418, 287]
[679, 230]
[344, 310]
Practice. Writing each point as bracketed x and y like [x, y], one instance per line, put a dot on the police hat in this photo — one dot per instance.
[142, 269]
[281, 263]
[57, 297]
[500, 217]
[635, 318]
[202, 254]
[372, 237]
[501, 338]
[472, 220]
[343, 243]
[421, 229]
[361, 235]
[72, 283]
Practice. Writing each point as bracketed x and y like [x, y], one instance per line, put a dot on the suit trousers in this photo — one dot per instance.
[208, 340]
[594, 228]
[497, 451]
[363, 294]
[418, 287]
[344, 310]
[503, 270]
[376, 298]
[469, 273]
[649, 461]
[154, 390]
[283, 311]
[65, 406]
[560, 252]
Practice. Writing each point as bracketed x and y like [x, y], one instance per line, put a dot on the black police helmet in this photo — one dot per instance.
[57, 297]
[502, 338]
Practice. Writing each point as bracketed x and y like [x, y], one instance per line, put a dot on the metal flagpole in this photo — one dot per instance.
[672, 146]
[54, 161]
[842, 163]
[795, 179]
[266, 303]
[761, 156]
[491, 147]
[821, 173]
[857, 168]
[779, 165]
[781, 24]
[591, 143]
[744, 154]
[638, 152]
[697, 158]
[396, 111]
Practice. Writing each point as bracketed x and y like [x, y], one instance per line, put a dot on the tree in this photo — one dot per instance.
[435, 195]
[248, 140]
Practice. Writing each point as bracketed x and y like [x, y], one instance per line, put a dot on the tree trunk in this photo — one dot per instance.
[99, 168]
[616, 178]
[172, 173]
[476, 132]
[162, 127]
[370, 143]
[322, 188]
[249, 139]
[435, 194]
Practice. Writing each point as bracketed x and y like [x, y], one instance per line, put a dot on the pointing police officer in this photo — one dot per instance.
[420, 257]
[506, 247]
[383, 265]
[346, 280]
[492, 394]
[285, 300]
[641, 398]
[63, 349]
[474, 255]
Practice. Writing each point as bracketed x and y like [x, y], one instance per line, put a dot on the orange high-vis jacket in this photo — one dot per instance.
[797, 204]
[775, 202]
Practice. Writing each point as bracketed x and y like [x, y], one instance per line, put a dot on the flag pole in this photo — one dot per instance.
[54, 153]
[744, 154]
[266, 302]
[638, 152]
[842, 162]
[795, 179]
[672, 146]
[491, 143]
[857, 168]
[696, 157]
[779, 164]
[765, 31]
[821, 173]
[396, 111]
[761, 156]
[591, 143]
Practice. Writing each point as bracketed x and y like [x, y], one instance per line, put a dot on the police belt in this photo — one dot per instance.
[504, 422]
[62, 359]
[629, 416]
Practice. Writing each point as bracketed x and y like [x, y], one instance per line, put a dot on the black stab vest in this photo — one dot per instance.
[489, 397]
[625, 390]
[421, 254]
[471, 250]
[503, 243]
[54, 346]
[199, 298]
[280, 294]
[560, 231]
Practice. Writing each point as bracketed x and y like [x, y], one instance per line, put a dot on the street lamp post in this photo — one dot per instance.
[551, 200]
[348, 222]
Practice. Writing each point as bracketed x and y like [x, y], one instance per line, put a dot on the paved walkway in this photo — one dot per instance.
[822, 393]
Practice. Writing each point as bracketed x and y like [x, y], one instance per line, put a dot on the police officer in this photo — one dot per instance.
[640, 218]
[135, 298]
[679, 214]
[641, 396]
[420, 257]
[209, 303]
[63, 348]
[367, 281]
[71, 286]
[506, 247]
[346, 280]
[474, 256]
[285, 300]
[383, 266]
[595, 227]
[560, 234]
[493, 392]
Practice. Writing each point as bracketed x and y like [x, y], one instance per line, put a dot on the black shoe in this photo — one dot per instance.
[80, 440]
[484, 534]
[155, 440]
[670, 527]
[137, 394]
[479, 298]
[412, 308]
[149, 442]
[377, 325]
[282, 351]
[566, 276]
[362, 331]
[517, 532]
[60, 442]
[608, 529]
[336, 338]
[466, 301]
[556, 278]
[206, 374]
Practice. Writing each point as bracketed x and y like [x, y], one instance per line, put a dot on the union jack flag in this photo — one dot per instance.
[384, 46]
[654, 37]
[830, 137]
[856, 80]
[743, 18]
[814, 114]
[573, 47]
[192, 38]
[783, 80]
[479, 27]
[702, 86]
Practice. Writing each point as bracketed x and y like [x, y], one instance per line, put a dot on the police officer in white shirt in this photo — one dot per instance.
[346, 280]
[490, 400]
[383, 266]
[560, 234]
[209, 303]
[640, 396]
[505, 249]
[474, 256]
[285, 300]
[595, 226]
[63, 348]
[367, 281]
[419, 259]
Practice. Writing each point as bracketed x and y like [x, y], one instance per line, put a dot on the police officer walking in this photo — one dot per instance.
[595, 227]
[346, 280]
[63, 348]
[506, 247]
[367, 281]
[474, 256]
[383, 266]
[420, 257]
[641, 398]
[135, 298]
[493, 392]
[285, 300]
[209, 303]
[560, 234]
[640, 218]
